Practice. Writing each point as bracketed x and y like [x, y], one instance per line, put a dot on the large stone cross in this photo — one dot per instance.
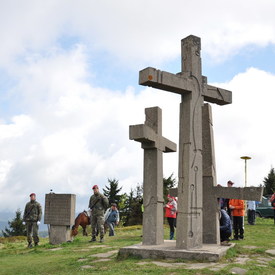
[193, 88]
[153, 143]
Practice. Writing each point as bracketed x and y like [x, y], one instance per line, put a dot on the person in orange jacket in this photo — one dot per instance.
[237, 211]
[171, 214]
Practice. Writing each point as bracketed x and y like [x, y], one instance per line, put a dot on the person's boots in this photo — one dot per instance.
[93, 239]
[30, 245]
[171, 235]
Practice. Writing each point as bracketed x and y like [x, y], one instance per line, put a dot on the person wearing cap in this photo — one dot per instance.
[98, 204]
[32, 217]
[111, 218]
[171, 214]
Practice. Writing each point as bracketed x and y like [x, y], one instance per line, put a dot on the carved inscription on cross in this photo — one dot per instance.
[211, 192]
[193, 88]
[153, 143]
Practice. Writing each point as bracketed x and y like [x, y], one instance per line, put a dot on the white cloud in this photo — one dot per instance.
[246, 128]
[19, 125]
[84, 140]
[77, 134]
[67, 134]
[140, 31]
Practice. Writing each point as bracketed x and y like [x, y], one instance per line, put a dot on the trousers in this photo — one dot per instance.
[238, 227]
[97, 224]
[32, 232]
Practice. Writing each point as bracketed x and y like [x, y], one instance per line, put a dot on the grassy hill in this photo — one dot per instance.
[83, 257]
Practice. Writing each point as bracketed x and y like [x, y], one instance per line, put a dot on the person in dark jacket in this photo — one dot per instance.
[225, 226]
[32, 217]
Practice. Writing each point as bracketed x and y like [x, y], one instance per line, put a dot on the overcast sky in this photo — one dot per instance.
[69, 89]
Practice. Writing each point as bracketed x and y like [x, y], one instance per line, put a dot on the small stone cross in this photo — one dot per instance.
[153, 143]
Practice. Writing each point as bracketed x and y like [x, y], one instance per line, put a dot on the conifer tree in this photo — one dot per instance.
[168, 183]
[269, 183]
[111, 191]
[16, 226]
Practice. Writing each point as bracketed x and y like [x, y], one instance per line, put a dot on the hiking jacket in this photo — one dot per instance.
[113, 215]
[171, 209]
[98, 204]
[239, 207]
[225, 222]
[33, 212]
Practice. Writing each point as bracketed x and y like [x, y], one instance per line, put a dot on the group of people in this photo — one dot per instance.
[231, 216]
[231, 211]
[100, 215]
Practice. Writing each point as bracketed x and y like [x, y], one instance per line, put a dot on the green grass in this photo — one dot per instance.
[15, 258]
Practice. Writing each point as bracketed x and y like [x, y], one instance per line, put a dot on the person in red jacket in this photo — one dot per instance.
[171, 214]
[237, 212]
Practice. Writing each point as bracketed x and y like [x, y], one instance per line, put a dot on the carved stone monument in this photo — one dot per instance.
[153, 143]
[59, 215]
[193, 88]
[197, 219]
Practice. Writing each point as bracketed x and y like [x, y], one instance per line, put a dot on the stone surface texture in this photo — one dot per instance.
[168, 250]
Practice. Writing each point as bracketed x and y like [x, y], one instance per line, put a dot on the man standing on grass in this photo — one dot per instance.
[32, 218]
[98, 204]
[237, 211]
[251, 212]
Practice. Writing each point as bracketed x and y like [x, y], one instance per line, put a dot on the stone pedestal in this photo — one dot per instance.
[60, 215]
[59, 234]
[168, 250]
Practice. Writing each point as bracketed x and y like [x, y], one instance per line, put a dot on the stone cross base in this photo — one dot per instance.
[168, 250]
[59, 234]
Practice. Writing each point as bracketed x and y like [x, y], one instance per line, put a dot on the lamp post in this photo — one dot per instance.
[245, 168]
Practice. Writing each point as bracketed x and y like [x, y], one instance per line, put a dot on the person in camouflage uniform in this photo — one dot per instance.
[98, 204]
[32, 217]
